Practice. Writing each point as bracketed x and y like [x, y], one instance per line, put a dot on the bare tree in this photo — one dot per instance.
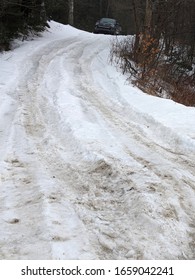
[148, 15]
[71, 12]
[162, 55]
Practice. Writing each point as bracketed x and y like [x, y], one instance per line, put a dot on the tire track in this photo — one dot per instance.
[181, 185]
[114, 203]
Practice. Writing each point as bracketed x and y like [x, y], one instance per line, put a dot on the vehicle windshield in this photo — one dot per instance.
[107, 20]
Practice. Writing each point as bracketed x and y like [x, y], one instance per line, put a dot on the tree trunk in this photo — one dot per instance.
[100, 8]
[71, 12]
[148, 16]
[108, 8]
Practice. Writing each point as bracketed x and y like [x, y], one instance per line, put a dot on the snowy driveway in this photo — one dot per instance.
[91, 168]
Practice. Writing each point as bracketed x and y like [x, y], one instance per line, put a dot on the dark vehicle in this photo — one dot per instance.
[108, 26]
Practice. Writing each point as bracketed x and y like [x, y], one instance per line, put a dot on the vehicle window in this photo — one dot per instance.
[107, 20]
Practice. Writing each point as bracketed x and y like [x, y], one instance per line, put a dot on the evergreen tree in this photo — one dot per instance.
[19, 17]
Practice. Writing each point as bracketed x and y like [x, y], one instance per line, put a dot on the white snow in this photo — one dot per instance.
[90, 166]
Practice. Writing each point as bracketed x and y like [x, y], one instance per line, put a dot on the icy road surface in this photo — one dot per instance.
[91, 167]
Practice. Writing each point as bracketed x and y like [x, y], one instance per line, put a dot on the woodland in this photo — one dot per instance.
[159, 56]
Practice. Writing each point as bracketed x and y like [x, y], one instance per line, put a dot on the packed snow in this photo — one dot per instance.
[90, 166]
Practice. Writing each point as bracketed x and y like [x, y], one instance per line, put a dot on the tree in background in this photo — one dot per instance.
[123, 12]
[87, 12]
[71, 12]
[161, 56]
[24, 16]
[20, 17]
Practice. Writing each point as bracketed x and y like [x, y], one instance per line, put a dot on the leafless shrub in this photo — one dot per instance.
[121, 55]
[155, 72]
[184, 91]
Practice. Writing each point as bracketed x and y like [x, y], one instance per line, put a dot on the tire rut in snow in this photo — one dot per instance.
[182, 186]
[22, 214]
[112, 202]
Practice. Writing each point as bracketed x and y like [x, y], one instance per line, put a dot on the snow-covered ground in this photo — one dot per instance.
[90, 166]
